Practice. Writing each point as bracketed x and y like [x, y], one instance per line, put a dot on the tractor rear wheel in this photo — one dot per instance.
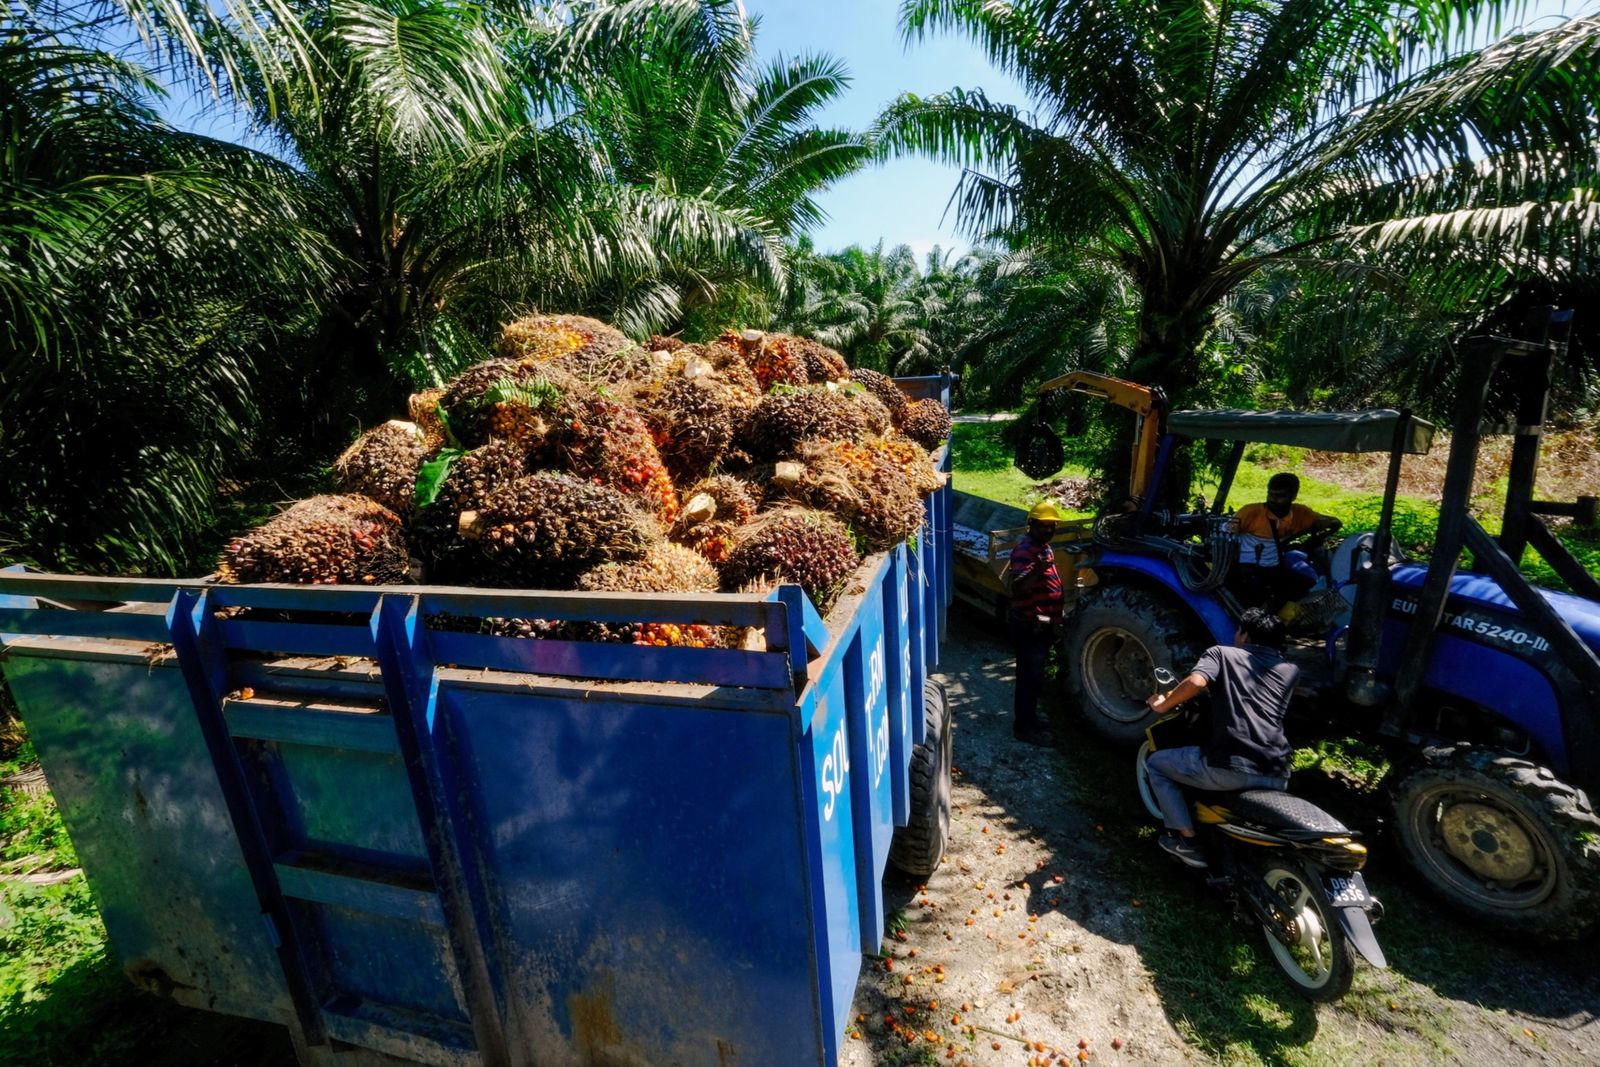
[1503, 840]
[1113, 645]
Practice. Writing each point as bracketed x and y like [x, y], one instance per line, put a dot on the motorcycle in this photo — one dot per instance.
[1293, 867]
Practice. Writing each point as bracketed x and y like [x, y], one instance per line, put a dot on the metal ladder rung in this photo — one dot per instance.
[290, 721]
[396, 894]
[400, 1032]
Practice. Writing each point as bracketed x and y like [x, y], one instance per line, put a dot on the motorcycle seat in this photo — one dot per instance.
[1284, 811]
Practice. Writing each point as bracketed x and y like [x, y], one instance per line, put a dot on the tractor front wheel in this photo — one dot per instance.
[1503, 840]
[1113, 646]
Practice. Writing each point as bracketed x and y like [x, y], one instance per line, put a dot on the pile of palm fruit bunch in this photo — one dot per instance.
[578, 459]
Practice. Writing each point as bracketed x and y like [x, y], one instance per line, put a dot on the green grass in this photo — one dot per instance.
[982, 465]
[1448, 988]
[62, 1000]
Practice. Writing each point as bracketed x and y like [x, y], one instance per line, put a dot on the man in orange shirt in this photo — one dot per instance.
[1271, 572]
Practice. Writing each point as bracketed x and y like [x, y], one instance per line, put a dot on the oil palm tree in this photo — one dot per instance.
[1190, 144]
[139, 285]
[875, 309]
[679, 104]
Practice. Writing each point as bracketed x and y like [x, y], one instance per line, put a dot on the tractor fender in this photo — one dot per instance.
[1160, 572]
[1503, 685]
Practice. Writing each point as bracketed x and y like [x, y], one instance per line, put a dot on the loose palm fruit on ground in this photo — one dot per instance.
[382, 464]
[926, 422]
[812, 549]
[543, 530]
[326, 540]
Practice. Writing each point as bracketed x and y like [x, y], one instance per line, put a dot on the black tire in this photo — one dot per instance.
[1319, 967]
[919, 845]
[1112, 645]
[1502, 840]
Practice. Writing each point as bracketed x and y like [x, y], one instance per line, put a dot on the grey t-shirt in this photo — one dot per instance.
[1250, 690]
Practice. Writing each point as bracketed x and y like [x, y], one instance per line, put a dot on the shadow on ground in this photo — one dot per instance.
[1447, 984]
[91, 1016]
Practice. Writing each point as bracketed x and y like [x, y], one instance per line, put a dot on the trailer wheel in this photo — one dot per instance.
[919, 845]
[1113, 645]
[1503, 840]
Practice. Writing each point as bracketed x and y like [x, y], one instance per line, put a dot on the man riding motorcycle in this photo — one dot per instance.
[1251, 685]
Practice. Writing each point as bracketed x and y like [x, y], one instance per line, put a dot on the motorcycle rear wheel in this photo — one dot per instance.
[1321, 962]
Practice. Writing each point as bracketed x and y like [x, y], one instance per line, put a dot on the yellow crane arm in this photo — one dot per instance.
[1142, 400]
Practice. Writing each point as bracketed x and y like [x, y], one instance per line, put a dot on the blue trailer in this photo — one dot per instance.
[312, 806]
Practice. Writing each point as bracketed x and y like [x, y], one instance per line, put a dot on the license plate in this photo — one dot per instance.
[1347, 891]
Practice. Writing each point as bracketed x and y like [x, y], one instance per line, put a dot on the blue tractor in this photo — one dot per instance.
[1483, 689]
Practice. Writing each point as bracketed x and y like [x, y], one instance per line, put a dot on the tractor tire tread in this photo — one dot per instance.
[918, 847]
[1560, 806]
[1136, 609]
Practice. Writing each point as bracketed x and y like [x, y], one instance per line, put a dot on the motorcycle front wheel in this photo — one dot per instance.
[1318, 959]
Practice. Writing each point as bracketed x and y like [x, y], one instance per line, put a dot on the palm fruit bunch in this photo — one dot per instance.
[382, 464]
[774, 360]
[658, 343]
[692, 422]
[912, 460]
[877, 416]
[326, 540]
[586, 348]
[528, 414]
[610, 443]
[864, 487]
[543, 530]
[664, 568]
[822, 363]
[713, 509]
[881, 386]
[812, 549]
[926, 422]
[728, 361]
[472, 401]
[466, 486]
[424, 409]
[783, 421]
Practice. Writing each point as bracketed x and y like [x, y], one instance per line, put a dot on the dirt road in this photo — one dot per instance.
[1055, 933]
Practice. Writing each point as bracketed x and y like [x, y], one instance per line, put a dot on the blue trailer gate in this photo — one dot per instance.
[309, 805]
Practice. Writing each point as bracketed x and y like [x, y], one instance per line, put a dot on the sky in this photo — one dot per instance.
[903, 201]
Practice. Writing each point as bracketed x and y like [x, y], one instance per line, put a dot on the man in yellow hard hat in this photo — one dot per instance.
[1036, 599]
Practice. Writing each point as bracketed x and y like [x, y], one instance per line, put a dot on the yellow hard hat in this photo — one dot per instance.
[1045, 511]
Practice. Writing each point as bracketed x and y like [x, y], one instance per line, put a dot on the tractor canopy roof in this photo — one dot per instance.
[1326, 431]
